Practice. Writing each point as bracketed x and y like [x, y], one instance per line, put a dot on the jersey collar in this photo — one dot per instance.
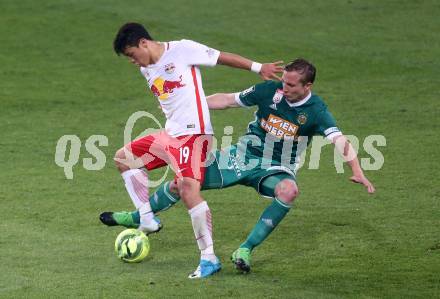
[165, 52]
[302, 102]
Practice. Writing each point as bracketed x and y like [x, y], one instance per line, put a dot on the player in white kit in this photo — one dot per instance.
[171, 69]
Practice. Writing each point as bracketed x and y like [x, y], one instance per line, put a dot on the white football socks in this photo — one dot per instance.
[136, 183]
[202, 225]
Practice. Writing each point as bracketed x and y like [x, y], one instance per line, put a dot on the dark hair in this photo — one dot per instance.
[129, 35]
[303, 67]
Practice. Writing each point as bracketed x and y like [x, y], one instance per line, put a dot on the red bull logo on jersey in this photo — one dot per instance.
[279, 127]
[162, 88]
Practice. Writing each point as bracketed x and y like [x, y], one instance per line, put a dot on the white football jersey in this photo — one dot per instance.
[176, 82]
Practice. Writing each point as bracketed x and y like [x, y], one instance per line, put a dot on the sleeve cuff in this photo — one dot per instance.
[333, 135]
[215, 56]
[237, 99]
[332, 132]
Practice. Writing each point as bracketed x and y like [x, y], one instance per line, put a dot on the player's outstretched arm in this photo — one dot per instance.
[350, 156]
[219, 101]
[267, 71]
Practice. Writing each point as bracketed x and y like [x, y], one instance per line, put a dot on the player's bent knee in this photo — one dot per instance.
[189, 189]
[286, 191]
[185, 189]
[119, 159]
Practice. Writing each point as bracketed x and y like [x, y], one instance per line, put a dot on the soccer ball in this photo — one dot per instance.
[132, 246]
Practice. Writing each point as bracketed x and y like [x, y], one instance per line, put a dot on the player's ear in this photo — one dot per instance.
[143, 42]
[308, 86]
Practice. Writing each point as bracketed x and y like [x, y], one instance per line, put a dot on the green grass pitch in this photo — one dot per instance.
[378, 69]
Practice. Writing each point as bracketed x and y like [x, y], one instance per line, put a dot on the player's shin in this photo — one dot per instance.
[202, 225]
[136, 183]
[163, 198]
[270, 218]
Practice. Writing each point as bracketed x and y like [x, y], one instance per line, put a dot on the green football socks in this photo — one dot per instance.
[127, 219]
[270, 218]
[161, 200]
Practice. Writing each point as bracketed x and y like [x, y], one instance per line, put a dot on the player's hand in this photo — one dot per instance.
[269, 71]
[361, 179]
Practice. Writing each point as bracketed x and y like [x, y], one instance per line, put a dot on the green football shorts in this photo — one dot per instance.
[227, 168]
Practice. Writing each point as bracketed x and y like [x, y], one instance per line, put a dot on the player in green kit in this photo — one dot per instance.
[288, 116]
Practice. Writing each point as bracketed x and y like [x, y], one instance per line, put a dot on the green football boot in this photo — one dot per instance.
[130, 220]
[241, 258]
[119, 218]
